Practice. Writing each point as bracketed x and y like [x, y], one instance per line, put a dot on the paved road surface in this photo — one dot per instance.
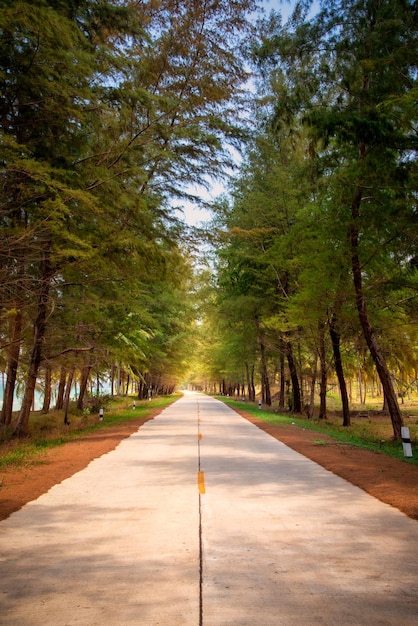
[202, 519]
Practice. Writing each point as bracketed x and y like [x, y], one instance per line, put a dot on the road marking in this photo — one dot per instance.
[200, 435]
[201, 482]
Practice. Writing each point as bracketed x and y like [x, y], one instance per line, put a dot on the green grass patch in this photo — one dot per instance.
[49, 431]
[370, 434]
[321, 442]
[18, 456]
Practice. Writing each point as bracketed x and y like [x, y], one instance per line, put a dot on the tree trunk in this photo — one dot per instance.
[323, 372]
[47, 390]
[61, 389]
[296, 400]
[250, 379]
[68, 394]
[369, 335]
[140, 388]
[338, 364]
[300, 375]
[12, 364]
[311, 408]
[282, 390]
[359, 395]
[21, 427]
[112, 381]
[247, 375]
[265, 384]
[119, 380]
[85, 373]
[252, 384]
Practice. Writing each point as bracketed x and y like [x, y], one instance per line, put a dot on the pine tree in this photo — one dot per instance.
[352, 87]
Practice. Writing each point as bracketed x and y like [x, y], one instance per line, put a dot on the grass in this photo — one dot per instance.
[49, 431]
[373, 433]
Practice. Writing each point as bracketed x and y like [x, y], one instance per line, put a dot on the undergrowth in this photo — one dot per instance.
[48, 431]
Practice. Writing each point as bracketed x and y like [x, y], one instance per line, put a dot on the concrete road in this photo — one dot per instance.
[201, 518]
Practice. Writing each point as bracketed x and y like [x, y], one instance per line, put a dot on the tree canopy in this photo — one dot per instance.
[110, 112]
[321, 230]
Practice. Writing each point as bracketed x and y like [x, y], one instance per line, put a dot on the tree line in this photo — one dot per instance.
[108, 112]
[316, 245]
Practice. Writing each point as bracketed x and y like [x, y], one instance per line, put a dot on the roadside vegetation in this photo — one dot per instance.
[373, 432]
[316, 258]
[115, 114]
[110, 112]
[48, 431]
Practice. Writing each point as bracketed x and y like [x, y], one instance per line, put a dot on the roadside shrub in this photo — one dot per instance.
[95, 403]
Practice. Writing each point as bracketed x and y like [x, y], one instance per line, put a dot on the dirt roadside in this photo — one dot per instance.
[391, 481]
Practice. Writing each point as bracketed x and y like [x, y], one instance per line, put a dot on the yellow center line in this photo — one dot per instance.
[201, 482]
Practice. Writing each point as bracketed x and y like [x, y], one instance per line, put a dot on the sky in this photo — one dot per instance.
[192, 214]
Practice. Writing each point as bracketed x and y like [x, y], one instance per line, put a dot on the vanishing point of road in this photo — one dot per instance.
[202, 519]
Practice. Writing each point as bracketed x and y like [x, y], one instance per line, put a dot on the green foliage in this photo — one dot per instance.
[108, 111]
[44, 429]
[334, 119]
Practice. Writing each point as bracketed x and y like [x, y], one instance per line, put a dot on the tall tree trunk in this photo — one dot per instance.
[250, 380]
[68, 394]
[247, 376]
[300, 375]
[112, 381]
[119, 380]
[47, 389]
[12, 365]
[359, 395]
[252, 384]
[323, 373]
[61, 389]
[296, 400]
[84, 379]
[21, 427]
[338, 364]
[282, 390]
[369, 335]
[311, 408]
[265, 383]
[140, 389]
